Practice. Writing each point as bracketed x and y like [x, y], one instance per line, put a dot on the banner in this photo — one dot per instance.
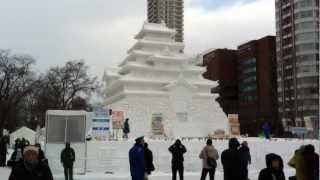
[234, 124]
[117, 119]
[101, 126]
[157, 124]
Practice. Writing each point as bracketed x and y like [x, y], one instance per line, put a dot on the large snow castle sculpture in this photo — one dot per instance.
[161, 91]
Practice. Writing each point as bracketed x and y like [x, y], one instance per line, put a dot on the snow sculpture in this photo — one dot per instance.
[157, 78]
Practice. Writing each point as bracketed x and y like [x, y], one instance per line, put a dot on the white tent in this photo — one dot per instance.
[23, 132]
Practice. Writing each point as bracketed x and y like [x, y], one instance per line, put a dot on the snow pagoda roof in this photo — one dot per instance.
[158, 44]
[154, 28]
[181, 81]
[111, 72]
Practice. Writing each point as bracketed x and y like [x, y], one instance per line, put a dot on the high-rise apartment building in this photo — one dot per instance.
[169, 11]
[297, 42]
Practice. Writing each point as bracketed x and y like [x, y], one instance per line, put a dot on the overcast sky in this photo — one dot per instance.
[101, 31]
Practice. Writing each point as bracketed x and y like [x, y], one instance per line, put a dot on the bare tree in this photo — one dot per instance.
[67, 82]
[16, 81]
[64, 87]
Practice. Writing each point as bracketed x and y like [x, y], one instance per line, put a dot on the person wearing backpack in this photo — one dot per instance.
[209, 156]
[177, 150]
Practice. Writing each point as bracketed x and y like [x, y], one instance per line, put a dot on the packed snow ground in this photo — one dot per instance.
[113, 157]
[4, 174]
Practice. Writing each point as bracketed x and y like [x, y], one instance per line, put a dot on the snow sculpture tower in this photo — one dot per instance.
[158, 87]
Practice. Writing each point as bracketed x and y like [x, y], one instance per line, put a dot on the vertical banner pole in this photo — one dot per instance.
[85, 144]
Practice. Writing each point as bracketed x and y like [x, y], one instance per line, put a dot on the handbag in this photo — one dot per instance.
[211, 162]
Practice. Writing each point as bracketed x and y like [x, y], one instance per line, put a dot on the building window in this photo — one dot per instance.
[302, 4]
[307, 36]
[306, 25]
[249, 62]
[250, 79]
[304, 14]
[249, 70]
[248, 99]
[247, 88]
[306, 69]
[304, 58]
[306, 47]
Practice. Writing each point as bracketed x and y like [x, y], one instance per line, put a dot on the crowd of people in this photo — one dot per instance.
[29, 162]
[17, 155]
[235, 161]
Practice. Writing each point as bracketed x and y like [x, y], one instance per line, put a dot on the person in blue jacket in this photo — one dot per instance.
[266, 130]
[136, 159]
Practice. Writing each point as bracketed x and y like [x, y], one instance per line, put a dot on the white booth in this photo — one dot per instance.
[25, 133]
[61, 127]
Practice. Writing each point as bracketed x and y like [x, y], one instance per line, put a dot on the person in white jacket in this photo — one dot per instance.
[209, 156]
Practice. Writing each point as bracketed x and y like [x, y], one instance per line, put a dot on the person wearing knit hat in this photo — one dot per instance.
[31, 148]
[31, 168]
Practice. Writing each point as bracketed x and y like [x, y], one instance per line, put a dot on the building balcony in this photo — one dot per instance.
[288, 77]
[289, 35]
[288, 109]
[287, 25]
[286, 15]
[287, 46]
[287, 56]
[284, 6]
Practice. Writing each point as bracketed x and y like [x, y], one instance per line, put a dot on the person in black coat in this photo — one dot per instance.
[3, 151]
[31, 168]
[148, 158]
[177, 150]
[67, 158]
[126, 128]
[274, 170]
[231, 161]
[16, 157]
[245, 160]
[41, 156]
[311, 159]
